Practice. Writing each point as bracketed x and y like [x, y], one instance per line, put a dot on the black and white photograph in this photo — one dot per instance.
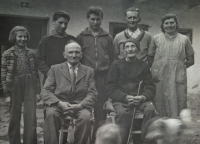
[100, 72]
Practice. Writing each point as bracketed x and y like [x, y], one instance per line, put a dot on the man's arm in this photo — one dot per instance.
[149, 86]
[116, 48]
[91, 95]
[47, 93]
[111, 49]
[41, 56]
[151, 52]
[112, 85]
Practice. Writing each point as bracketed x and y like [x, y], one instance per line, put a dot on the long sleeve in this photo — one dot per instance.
[91, 95]
[149, 86]
[41, 56]
[112, 84]
[111, 50]
[47, 93]
[4, 71]
[116, 48]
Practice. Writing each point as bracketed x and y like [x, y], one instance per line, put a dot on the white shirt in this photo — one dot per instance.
[134, 34]
[70, 68]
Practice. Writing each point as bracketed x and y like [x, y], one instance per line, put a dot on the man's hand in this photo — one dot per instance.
[135, 100]
[75, 107]
[139, 99]
[8, 100]
[38, 98]
[63, 105]
[129, 98]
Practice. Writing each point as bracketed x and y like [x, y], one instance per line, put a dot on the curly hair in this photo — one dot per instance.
[96, 10]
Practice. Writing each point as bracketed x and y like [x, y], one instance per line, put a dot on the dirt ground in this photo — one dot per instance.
[193, 104]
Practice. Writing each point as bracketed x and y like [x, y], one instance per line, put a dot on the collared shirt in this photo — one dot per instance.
[22, 67]
[70, 68]
[90, 31]
[53, 33]
[134, 34]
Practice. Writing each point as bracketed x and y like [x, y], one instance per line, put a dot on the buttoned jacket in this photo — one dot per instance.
[58, 86]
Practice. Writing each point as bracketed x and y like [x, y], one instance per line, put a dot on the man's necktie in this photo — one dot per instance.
[73, 79]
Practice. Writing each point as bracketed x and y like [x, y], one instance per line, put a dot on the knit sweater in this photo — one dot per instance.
[8, 68]
[123, 36]
[124, 78]
[50, 51]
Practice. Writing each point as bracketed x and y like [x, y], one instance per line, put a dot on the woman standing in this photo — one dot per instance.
[20, 82]
[171, 53]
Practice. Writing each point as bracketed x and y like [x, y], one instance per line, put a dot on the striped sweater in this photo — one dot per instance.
[8, 68]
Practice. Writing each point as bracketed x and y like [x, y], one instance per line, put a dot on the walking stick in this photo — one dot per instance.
[133, 117]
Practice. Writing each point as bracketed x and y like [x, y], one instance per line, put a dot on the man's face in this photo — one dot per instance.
[169, 25]
[132, 19]
[21, 38]
[72, 53]
[94, 21]
[60, 25]
[130, 49]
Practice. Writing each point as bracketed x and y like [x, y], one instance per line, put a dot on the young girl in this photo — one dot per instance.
[20, 82]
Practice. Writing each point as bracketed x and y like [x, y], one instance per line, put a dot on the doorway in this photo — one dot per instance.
[37, 28]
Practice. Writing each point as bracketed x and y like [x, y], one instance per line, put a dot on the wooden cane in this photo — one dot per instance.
[133, 117]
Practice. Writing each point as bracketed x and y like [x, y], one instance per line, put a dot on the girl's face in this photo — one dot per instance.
[21, 39]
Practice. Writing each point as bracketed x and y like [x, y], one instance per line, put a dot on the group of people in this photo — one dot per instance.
[81, 73]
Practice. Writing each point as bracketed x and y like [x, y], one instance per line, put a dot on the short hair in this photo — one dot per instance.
[59, 14]
[168, 16]
[108, 134]
[72, 41]
[13, 33]
[96, 10]
[133, 9]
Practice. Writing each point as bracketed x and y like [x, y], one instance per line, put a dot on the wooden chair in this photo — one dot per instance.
[71, 129]
[68, 129]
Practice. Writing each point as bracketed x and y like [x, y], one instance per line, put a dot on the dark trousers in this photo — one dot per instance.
[124, 117]
[52, 125]
[99, 112]
[23, 92]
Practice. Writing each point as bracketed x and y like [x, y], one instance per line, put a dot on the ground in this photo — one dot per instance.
[193, 104]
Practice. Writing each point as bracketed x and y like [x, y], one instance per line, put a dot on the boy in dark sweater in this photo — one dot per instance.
[123, 81]
[51, 47]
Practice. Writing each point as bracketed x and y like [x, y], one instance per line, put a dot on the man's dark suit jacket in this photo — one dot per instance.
[58, 86]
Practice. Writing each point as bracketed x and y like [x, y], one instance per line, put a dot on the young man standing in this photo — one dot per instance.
[98, 51]
[51, 47]
[132, 18]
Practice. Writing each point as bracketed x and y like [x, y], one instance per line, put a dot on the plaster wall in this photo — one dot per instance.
[151, 13]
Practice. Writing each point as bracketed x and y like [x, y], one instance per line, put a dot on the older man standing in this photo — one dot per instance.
[69, 90]
[132, 18]
[51, 46]
[123, 82]
[98, 51]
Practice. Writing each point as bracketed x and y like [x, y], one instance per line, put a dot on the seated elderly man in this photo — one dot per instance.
[122, 83]
[69, 90]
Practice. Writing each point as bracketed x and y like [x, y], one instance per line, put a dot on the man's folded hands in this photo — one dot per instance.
[69, 109]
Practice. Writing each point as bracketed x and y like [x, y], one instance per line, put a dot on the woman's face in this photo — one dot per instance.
[21, 38]
[170, 26]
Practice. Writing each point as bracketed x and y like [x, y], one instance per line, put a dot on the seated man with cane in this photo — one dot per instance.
[69, 90]
[123, 84]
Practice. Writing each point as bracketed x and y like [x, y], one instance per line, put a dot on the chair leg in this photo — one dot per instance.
[61, 138]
